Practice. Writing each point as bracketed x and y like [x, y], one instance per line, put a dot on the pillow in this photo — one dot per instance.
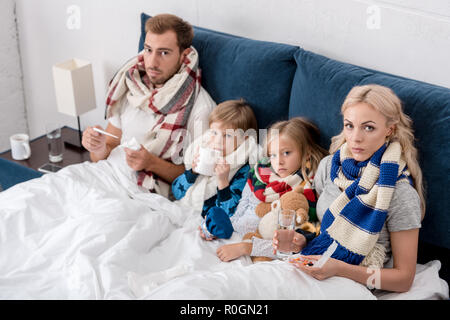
[235, 67]
[427, 285]
[319, 89]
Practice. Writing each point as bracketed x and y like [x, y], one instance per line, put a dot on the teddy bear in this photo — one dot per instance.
[268, 212]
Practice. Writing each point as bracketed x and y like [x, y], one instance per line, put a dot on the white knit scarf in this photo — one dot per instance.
[205, 187]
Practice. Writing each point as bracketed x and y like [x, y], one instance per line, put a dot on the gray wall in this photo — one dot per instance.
[12, 106]
[410, 38]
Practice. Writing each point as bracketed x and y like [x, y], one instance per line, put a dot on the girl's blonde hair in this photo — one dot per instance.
[306, 135]
[385, 101]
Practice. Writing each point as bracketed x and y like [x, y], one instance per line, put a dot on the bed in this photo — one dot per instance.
[89, 232]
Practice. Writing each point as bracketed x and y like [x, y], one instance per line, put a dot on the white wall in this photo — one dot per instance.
[12, 105]
[410, 38]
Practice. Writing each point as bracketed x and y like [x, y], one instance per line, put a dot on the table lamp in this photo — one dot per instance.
[74, 89]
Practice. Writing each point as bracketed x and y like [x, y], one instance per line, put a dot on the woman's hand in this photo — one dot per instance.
[329, 269]
[298, 242]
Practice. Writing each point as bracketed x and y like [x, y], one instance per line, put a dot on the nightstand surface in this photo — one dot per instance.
[39, 151]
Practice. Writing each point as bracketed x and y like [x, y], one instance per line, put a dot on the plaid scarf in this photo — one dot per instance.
[171, 104]
[354, 220]
[267, 186]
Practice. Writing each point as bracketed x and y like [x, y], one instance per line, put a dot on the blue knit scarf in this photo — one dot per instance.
[354, 220]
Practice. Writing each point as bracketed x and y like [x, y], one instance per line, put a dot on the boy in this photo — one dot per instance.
[221, 193]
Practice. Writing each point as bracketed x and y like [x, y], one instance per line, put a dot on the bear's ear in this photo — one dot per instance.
[299, 189]
[262, 208]
[302, 216]
[276, 205]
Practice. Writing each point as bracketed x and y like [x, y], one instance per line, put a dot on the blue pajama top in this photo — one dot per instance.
[227, 198]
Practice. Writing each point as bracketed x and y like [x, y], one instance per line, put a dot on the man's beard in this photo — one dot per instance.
[163, 80]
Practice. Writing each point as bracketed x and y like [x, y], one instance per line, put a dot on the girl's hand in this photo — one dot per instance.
[233, 251]
[298, 242]
[329, 269]
[222, 170]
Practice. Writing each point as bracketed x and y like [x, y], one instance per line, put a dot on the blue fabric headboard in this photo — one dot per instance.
[235, 67]
[319, 89]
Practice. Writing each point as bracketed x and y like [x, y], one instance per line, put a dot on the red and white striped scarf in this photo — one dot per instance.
[267, 186]
[172, 104]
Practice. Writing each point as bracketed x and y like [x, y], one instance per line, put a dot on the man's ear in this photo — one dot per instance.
[186, 52]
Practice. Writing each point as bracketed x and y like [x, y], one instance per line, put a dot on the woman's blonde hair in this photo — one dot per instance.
[385, 101]
[306, 135]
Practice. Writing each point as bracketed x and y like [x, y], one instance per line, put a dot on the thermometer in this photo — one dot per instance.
[106, 133]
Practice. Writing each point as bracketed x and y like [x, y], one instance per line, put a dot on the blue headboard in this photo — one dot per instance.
[319, 89]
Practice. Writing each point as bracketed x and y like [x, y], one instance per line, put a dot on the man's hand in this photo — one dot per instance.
[94, 141]
[138, 160]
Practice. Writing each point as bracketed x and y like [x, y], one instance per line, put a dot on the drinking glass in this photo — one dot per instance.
[55, 143]
[285, 229]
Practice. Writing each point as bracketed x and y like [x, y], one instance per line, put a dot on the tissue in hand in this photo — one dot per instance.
[132, 144]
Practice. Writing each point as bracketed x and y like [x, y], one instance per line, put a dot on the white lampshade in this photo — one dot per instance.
[74, 87]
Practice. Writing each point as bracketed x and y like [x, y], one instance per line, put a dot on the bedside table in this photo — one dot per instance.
[39, 151]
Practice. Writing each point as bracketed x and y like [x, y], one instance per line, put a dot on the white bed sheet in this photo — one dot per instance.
[89, 232]
[183, 266]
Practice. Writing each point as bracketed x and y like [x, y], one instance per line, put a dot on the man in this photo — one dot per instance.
[150, 98]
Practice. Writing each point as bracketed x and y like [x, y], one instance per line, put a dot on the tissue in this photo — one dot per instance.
[132, 144]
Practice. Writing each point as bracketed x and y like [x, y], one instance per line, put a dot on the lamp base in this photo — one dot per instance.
[73, 140]
[76, 146]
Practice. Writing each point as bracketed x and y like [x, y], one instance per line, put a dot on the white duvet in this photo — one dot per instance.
[89, 232]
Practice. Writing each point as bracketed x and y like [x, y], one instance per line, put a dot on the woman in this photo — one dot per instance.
[371, 198]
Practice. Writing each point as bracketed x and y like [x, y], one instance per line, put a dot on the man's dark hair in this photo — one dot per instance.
[164, 22]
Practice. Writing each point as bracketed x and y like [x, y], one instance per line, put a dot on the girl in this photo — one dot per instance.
[371, 196]
[294, 155]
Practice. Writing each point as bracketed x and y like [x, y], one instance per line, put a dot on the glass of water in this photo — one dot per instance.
[55, 143]
[286, 232]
